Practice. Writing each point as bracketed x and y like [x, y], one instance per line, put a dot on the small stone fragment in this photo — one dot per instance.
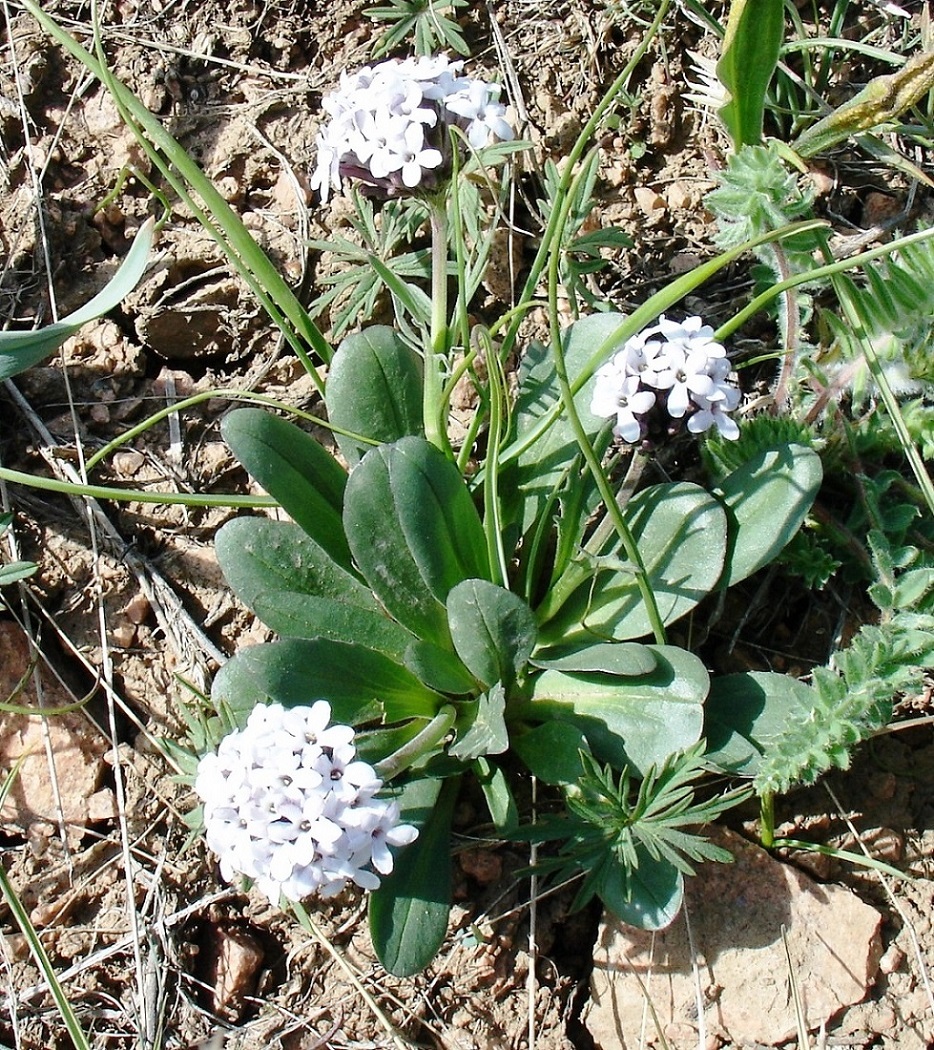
[234, 967]
[482, 864]
[650, 201]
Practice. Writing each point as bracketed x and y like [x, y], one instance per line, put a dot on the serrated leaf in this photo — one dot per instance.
[767, 499]
[295, 470]
[414, 532]
[628, 721]
[408, 914]
[493, 630]
[374, 389]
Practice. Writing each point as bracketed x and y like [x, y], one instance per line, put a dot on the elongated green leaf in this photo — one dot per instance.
[620, 658]
[304, 616]
[438, 668]
[414, 532]
[681, 533]
[545, 463]
[552, 751]
[295, 470]
[648, 897]
[498, 795]
[374, 389]
[261, 556]
[409, 912]
[493, 630]
[745, 710]
[635, 721]
[767, 500]
[22, 350]
[361, 685]
[748, 60]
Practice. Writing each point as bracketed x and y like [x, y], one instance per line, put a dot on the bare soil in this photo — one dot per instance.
[129, 603]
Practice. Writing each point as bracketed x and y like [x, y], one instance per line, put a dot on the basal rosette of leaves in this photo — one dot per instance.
[388, 593]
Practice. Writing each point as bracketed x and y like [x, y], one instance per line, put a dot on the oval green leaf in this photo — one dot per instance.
[493, 630]
[767, 500]
[681, 533]
[628, 721]
[374, 389]
[360, 684]
[414, 532]
[408, 914]
[294, 469]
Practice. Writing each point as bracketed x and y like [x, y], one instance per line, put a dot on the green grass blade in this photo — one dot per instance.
[220, 220]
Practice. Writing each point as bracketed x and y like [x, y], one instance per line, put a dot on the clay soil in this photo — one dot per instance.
[129, 606]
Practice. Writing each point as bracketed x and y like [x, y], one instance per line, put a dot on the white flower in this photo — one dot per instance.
[620, 395]
[681, 359]
[288, 804]
[389, 124]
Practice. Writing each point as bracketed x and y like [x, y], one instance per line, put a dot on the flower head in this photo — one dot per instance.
[287, 803]
[389, 124]
[677, 366]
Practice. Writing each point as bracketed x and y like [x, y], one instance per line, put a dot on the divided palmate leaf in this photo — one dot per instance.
[681, 533]
[374, 389]
[295, 470]
[361, 684]
[767, 500]
[414, 532]
[409, 912]
[493, 630]
[628, 721]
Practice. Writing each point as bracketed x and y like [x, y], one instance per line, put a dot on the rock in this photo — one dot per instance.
[737, 914]
[650, 202]
[236, 959]
[77, 748]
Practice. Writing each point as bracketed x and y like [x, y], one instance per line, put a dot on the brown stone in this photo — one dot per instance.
[738, 914]
[234, 966]
[76, 747]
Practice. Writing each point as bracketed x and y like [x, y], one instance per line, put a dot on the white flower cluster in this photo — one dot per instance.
[389, 124]
[676, 364]
[287, 803]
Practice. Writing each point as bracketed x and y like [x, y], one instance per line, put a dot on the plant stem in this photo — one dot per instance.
[586, 445]
[767, 820]
[434, 406]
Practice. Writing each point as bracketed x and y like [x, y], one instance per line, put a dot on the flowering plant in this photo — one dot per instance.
[466, 604]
